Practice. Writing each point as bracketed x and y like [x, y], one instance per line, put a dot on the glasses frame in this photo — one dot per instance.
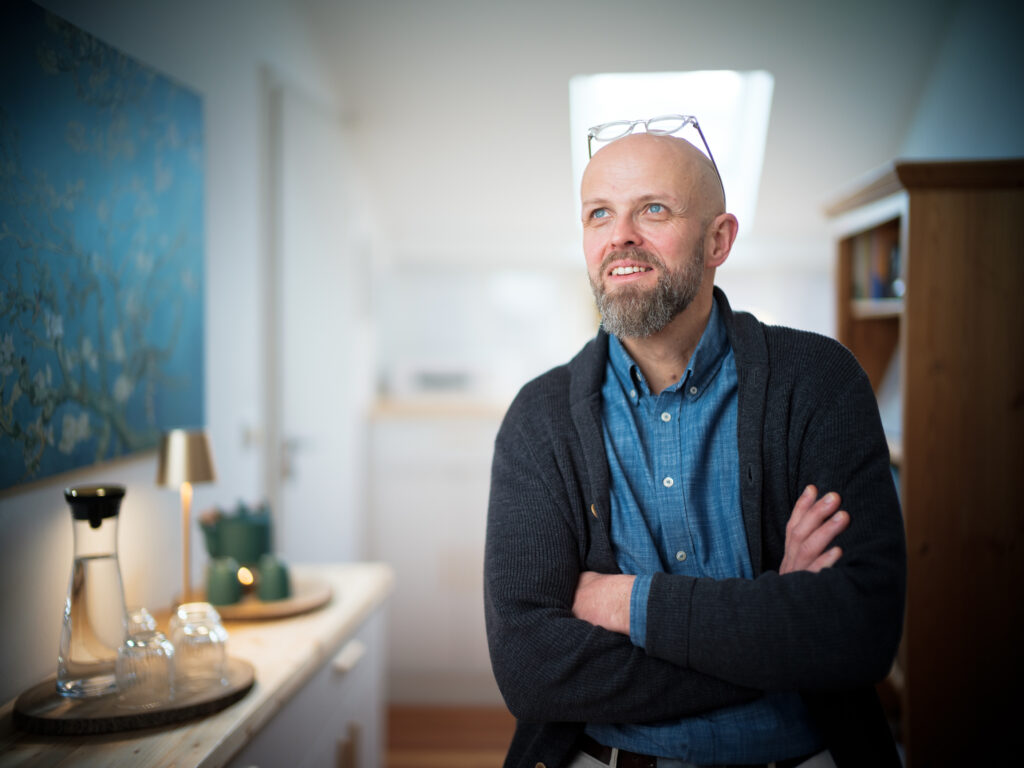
[629, 126]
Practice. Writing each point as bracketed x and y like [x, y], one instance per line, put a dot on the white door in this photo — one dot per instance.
[321, 368]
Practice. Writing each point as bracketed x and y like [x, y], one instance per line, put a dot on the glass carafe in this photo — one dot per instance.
[95, 620]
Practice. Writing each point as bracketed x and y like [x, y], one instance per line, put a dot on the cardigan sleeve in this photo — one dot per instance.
[836, 629]
[549, 665]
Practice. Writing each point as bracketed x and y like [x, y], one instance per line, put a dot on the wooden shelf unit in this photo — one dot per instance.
[956, 338]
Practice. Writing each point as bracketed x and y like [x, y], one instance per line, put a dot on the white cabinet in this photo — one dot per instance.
[431, 470]
[335, 720]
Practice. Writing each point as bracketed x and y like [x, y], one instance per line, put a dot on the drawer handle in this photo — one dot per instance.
[348, 657]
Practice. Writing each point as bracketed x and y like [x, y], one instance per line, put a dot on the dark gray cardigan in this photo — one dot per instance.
[807, 414]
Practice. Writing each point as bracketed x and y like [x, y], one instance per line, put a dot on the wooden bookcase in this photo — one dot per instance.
[942, 340]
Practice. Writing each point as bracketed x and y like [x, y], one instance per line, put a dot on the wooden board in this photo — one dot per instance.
[308, 595]
[41, 709]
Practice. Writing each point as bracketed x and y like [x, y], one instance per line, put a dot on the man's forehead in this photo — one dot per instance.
[644, 189]
[640, 163]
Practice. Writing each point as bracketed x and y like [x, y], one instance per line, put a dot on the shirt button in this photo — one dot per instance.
[693, 390]
[680, 555]
[632, 393]
[666, 417]
[668, 482]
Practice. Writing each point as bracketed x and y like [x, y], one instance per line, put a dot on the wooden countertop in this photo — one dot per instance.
[285, 654]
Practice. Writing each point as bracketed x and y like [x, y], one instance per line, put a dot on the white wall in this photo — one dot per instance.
[972, 104]
[218, 50]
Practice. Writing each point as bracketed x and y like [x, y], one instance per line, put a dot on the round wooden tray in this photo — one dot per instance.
[42, 710]
[307, 595]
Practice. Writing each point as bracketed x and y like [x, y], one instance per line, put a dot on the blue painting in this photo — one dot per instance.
[101, 250]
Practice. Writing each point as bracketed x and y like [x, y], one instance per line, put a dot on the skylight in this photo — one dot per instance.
[731, 107]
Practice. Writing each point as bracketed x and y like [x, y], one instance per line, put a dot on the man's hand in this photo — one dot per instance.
[811, 528]
[603, 600]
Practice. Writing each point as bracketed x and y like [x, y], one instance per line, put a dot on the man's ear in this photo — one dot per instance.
[720, 236]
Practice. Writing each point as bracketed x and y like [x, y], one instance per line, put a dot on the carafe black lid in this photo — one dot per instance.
[94, 502]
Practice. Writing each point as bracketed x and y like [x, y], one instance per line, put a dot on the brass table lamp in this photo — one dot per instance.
[185, 458]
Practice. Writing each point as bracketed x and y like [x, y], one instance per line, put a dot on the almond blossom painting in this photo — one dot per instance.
[101, 250]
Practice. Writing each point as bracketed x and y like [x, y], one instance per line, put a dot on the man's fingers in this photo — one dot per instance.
[826, 560]
[809, 512]
[803, 504]
[811, 530]
[827, 530]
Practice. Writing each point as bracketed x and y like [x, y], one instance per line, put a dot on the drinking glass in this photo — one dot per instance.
[139, 620]
[145, 669]
[200, 647]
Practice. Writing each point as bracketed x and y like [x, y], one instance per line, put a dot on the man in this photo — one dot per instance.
[663, 585]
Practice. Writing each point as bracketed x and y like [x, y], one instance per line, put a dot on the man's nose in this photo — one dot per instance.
[626, 233]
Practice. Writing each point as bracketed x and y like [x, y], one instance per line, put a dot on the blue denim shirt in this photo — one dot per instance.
[675, 508]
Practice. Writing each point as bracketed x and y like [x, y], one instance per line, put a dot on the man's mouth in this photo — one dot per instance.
[629, 263]
[629, 270]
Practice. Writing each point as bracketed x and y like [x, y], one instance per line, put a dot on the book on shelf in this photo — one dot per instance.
[877, 263]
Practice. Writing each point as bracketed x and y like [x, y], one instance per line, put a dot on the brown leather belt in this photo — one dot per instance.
[636, 760]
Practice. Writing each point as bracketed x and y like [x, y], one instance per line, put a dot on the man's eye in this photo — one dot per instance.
[656, 208]
[599, 213]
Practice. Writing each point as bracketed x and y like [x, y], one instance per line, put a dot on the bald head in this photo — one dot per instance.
[657, 159]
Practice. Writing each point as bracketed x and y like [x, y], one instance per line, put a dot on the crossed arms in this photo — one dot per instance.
[603, 599]
[809, 621]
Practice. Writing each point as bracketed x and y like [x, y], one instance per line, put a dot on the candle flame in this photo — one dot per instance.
[245, 576]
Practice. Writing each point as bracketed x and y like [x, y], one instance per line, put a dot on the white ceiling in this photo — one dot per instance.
[459, 110]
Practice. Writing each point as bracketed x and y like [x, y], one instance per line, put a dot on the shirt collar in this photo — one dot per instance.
[704, 363]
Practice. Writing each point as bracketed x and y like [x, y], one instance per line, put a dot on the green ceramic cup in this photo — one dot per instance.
[274, 581]
[222, 585]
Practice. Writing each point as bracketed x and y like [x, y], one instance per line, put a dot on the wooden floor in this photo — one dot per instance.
[448, 737]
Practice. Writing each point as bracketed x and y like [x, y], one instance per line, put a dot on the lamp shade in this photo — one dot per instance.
[185, 457]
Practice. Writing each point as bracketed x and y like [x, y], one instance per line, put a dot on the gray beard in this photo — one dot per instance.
[632, 312]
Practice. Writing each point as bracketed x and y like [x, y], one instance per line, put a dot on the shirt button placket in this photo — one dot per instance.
[666, 418]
